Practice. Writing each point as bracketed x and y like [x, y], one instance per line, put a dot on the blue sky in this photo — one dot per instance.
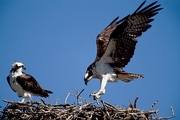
[56, 42]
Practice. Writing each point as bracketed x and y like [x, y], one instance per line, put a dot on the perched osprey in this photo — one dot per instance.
[24, 84]
[116, 45]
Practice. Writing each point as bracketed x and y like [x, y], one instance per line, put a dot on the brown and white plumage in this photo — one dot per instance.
[24, 84]
[116, 45]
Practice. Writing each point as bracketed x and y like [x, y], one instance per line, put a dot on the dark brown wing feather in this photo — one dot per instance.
[124, 33]
[103, 38]
[29, 83]
[8, 80]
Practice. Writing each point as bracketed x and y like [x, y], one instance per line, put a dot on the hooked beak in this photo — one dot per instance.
[85, 81]
[86, 78]
[24, 67]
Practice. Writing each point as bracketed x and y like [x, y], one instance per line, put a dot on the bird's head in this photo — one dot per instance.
[18, 66]
[89, 74]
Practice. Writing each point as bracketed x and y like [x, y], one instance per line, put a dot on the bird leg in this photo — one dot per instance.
[103, 83]
[30, 99]
[23, 99]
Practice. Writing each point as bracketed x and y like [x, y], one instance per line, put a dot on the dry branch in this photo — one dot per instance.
[82, 110]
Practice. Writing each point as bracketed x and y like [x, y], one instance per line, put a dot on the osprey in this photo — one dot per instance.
[24, 84]
[116, 45]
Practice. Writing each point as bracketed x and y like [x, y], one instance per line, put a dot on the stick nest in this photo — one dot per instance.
[82, 110]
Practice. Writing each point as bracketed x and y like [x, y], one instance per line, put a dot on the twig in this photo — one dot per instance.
[57, 101]
[78, 97]
[172, 110]
[43, 102]
[111, 106]
[105, 110]
[169, 117]
[135, 102]
[153, 104]
[66, 98]
[80, 93]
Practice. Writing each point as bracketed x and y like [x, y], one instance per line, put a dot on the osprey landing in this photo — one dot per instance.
[116, 45]
[24, 84]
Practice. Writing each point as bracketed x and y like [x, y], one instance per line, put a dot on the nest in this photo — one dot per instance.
[81, 110]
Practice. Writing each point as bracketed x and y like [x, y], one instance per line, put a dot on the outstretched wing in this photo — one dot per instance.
[102, 39]
[29, 83]
[122, 40]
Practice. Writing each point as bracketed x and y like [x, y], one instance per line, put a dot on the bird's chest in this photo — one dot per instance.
[104, 69]
[107, 72]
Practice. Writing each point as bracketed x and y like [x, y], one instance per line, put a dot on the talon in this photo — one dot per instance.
[102, 93]
[95, 96]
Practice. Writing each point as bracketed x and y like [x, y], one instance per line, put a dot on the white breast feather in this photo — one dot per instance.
[106, 71]
[15, 85]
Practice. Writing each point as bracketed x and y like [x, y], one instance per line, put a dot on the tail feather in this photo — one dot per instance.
[45, 93]
[127, 77]
[48, 91]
